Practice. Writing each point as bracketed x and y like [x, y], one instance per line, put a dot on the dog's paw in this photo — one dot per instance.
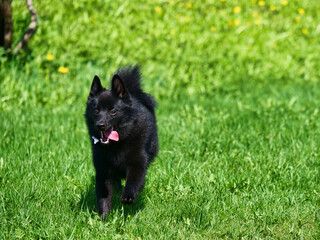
[127, 198]
[103, 217]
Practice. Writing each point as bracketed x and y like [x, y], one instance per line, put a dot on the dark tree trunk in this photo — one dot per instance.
[6, 24]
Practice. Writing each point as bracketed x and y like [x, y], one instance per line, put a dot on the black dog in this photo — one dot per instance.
[122, 124]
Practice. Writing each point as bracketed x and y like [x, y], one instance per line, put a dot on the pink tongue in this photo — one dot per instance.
[114, 136]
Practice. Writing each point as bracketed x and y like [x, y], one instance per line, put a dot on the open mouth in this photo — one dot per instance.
[109, 134]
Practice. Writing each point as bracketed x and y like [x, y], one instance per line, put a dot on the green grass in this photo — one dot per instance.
[238, 110]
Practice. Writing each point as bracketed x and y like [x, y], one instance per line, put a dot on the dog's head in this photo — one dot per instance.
[108, 109]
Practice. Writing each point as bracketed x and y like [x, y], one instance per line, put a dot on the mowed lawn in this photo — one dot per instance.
[238, 91]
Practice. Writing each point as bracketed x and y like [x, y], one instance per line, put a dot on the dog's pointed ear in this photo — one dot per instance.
[118, 87]
[96, 86]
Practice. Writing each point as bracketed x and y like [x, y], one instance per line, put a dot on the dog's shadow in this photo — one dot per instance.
[88, 201]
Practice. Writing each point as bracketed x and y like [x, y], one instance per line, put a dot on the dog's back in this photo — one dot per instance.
[131, 78]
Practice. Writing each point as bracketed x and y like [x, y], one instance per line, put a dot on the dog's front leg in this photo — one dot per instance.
[134, 183]
[104, 195]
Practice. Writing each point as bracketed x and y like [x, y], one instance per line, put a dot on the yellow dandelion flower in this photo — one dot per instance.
[297, 19]
[261, 3]
[158, 10]
[301, 11]
[284, 2]
[93, 20]
[272, 7]
[257, 21]
[230, 23]
[213, 28]
[189, 5]
[304, 31]
[63, 69]
[173, 32]
[187, 19]
[237, 9]
[236, 22]
[223, 0]
[49, 57]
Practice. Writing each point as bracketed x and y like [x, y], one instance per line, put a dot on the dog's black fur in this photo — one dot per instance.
[126, 109]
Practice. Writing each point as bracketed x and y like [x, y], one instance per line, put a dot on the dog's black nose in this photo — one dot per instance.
[100, 126]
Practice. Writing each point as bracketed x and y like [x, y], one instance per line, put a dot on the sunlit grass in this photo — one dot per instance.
[237, 86]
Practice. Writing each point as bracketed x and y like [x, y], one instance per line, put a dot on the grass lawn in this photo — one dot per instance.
[238, 91]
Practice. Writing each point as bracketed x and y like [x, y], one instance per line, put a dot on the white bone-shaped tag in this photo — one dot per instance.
[95, 140]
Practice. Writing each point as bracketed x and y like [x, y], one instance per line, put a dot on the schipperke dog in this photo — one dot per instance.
[122, 124]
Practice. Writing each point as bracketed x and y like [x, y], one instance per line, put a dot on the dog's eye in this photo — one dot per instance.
[96, 111]
[113, 111]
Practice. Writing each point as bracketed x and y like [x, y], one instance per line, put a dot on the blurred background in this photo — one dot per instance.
[185, 48]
